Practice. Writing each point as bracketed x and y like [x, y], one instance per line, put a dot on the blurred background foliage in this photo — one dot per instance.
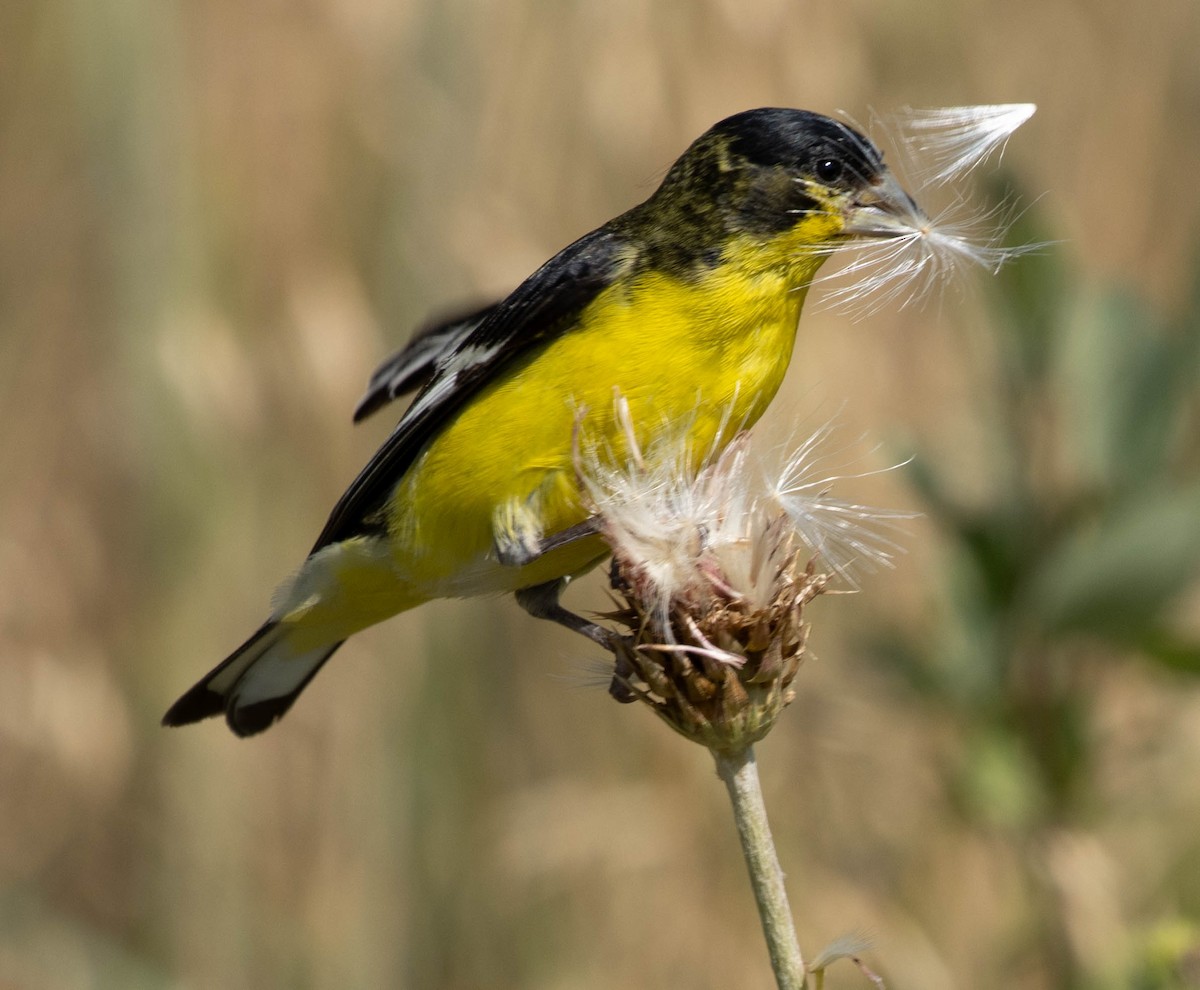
[214, 218]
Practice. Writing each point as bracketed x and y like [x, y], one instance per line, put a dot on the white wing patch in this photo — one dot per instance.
[446, 378]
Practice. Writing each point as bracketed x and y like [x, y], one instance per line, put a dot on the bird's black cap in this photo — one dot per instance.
[778, 136]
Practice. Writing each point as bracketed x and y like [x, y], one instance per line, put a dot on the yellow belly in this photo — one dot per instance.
[709, 356]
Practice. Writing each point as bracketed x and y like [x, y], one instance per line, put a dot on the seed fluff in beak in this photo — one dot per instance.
[899, 253]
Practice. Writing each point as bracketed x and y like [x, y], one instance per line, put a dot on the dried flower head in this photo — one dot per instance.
[713, 566]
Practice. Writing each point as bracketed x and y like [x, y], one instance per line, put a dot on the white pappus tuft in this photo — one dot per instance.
[901, 258]
[950, 141]
[843, 536]
[656, 510]
[738, 527]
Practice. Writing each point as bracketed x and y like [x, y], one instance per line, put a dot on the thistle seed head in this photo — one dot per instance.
[713, 567]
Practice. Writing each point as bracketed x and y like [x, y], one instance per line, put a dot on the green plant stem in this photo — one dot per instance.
[740, 773]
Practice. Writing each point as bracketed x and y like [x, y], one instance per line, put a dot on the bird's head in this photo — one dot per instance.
[789, 184]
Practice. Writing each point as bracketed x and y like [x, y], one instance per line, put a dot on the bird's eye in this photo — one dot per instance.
[829, 169]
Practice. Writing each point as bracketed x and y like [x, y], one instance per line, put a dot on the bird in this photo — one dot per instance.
[686, 306]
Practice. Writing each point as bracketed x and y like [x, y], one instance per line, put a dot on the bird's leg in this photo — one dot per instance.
[518, 540]
[623, 672]
[541, 601]
[580, 531]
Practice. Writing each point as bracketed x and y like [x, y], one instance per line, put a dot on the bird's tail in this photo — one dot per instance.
[256, 684]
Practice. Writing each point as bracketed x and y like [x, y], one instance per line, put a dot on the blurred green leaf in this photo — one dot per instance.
[1115, 577]
[1027, 294]
[995, 540]
[939, 503]
[1000, 544]
[1124, 381]
[998, 780]
[1167, 957]
[1187, 325]
[1170, 650]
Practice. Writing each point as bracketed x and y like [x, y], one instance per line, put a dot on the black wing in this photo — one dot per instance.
[546, 304]
[414, 365]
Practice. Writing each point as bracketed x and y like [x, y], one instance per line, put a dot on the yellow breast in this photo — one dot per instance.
[708, 353]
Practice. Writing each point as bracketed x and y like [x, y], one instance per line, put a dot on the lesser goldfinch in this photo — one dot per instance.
[687, 305]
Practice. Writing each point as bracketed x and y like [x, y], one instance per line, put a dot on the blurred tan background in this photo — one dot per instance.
[216, 216]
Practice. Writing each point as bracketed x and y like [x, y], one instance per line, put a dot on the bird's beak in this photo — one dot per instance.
[883, 209]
